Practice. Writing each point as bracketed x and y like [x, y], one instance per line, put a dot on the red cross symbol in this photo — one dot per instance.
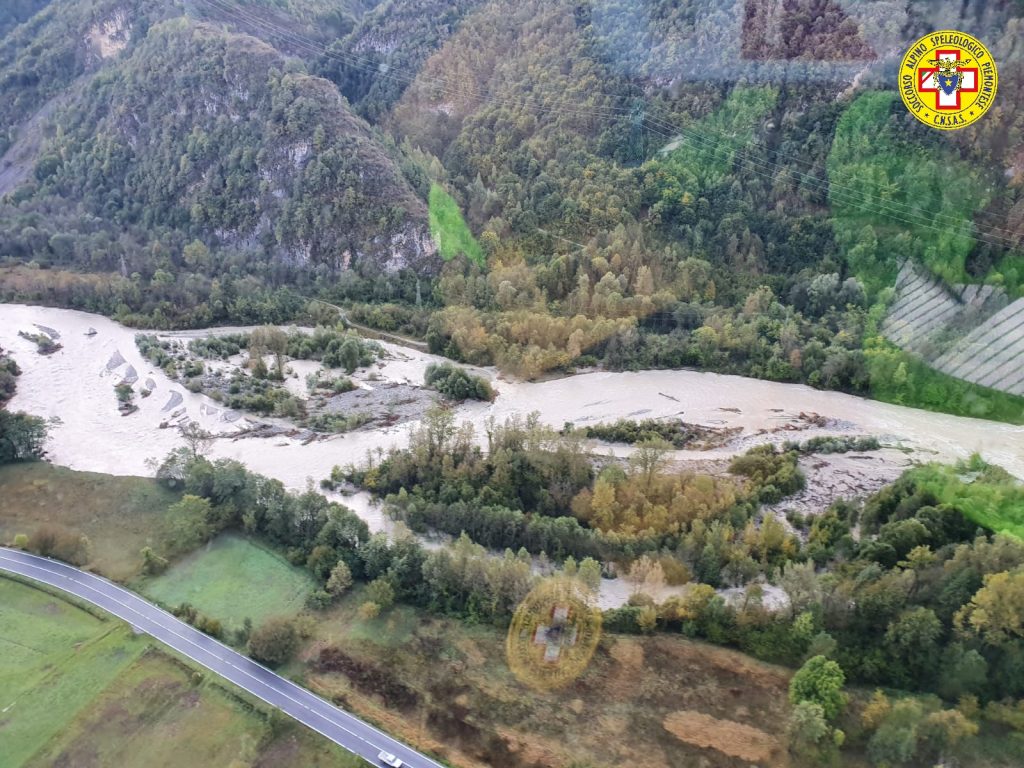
[928, 80]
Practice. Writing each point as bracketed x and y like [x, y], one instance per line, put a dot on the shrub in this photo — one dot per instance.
[456, 383]
[274, 641]
[61, 544]
[369, 610]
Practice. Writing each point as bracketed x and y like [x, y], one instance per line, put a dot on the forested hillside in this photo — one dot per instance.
[732, 186]
[202, 153]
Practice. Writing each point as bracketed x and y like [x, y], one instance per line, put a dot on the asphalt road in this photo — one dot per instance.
[323, 717]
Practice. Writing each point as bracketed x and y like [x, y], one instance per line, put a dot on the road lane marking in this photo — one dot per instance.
[277, 684]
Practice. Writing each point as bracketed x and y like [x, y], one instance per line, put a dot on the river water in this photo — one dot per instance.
[76, 386]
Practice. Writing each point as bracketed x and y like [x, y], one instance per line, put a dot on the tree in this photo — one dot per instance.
[913, 640]
[820, 680]
[649, 459]
[996, 612]
[647, 619]
[896, 739]
[964, 672]
[647, 576]
[946, 728]
[340, 579]
[269, 338]
[381, 592]
[807, 727]
[876, 711]
[198, 440]
[187, 523]
[274, 641]
[801, 585]
[350, 353]
[21, 437]
[589, 572]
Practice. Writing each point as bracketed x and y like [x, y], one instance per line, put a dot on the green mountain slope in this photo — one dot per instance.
[663, 184]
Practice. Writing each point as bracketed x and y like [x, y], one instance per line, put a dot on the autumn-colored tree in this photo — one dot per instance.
[996, 612]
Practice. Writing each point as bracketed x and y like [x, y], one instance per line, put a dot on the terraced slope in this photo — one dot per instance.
[967, 331]
[992, 354]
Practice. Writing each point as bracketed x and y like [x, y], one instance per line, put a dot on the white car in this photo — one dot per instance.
[388, 759]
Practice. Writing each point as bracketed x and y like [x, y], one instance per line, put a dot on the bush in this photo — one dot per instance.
[61, 544]
[773, 474]
[369, 610]
[274, 641]
[21, 437]
[152, 563]
[319, 600]
[456, 383]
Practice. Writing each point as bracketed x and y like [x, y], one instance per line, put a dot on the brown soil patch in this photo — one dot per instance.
[726, 736]
[728, 661]
[628, 661]
[368, 678]
[629, 653]
[531, 749]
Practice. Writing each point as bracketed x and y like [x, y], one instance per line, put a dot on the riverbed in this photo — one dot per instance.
[75, 388]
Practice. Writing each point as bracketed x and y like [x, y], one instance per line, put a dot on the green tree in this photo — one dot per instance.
[808, 728]
[21, 437]
[913, 640]
[589, 572]
[187, 523]
[274, 641]
[895, 742]
[820, 680]
[381, 592]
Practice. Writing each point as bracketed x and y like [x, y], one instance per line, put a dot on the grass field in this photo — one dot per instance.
[449, 229]
[77, 690]
[120, 515]
[54, 657]
[231, 579]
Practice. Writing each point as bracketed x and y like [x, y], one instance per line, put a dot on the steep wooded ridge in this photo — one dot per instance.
[183, 132]
[207, 132]
[732, 186]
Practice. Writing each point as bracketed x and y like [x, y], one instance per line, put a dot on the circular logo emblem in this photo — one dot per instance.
[553, 634]
[948, 80]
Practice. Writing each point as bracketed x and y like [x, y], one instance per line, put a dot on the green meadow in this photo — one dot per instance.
[231, 579]
[449, 229]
